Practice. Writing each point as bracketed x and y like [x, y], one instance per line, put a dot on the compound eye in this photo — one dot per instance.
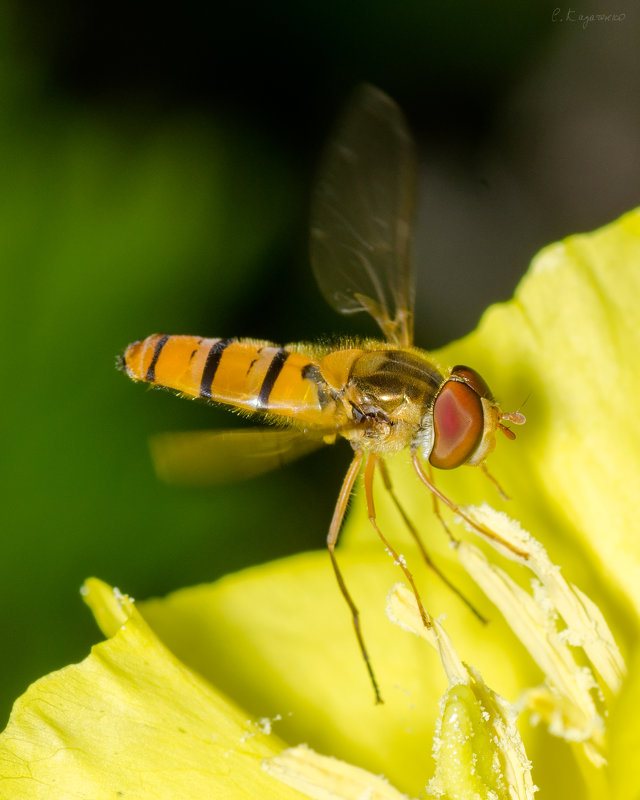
[458, 424]
[472, 379]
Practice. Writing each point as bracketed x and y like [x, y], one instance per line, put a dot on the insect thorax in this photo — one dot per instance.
[389, 393]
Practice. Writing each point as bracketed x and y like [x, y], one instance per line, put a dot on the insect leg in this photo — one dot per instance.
[481, 529]
[332, 538]
[398, 559]
[418, 540]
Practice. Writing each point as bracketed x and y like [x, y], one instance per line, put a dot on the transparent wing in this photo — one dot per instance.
[207, 458]
[362, 215]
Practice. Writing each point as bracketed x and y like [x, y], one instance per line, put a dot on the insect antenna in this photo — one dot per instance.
[386, 478]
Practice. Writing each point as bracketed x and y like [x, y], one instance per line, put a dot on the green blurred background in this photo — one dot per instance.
[156, 166]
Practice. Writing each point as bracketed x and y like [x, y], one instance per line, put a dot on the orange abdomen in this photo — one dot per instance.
[255, 376]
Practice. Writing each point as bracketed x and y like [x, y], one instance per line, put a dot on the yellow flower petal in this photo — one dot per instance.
[132, 721]
[280, 637]
[624, 764]
[569, 340]
[325, 778]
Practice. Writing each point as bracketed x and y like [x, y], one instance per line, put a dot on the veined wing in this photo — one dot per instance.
[362, 215]
[207, 458]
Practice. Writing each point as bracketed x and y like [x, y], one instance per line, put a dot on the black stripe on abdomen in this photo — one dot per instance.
[151, 372]
[211, 366]
[275, 368]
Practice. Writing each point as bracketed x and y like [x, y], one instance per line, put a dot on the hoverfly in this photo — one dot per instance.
[380, 396]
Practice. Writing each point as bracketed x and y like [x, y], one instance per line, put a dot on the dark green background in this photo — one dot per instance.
[156, 167]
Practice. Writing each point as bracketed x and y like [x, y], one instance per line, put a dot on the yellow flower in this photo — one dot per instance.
[212, 692]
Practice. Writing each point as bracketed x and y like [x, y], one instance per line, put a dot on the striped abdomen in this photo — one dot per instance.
[255, 376]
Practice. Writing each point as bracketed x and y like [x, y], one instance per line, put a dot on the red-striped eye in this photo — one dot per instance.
[458, 423]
